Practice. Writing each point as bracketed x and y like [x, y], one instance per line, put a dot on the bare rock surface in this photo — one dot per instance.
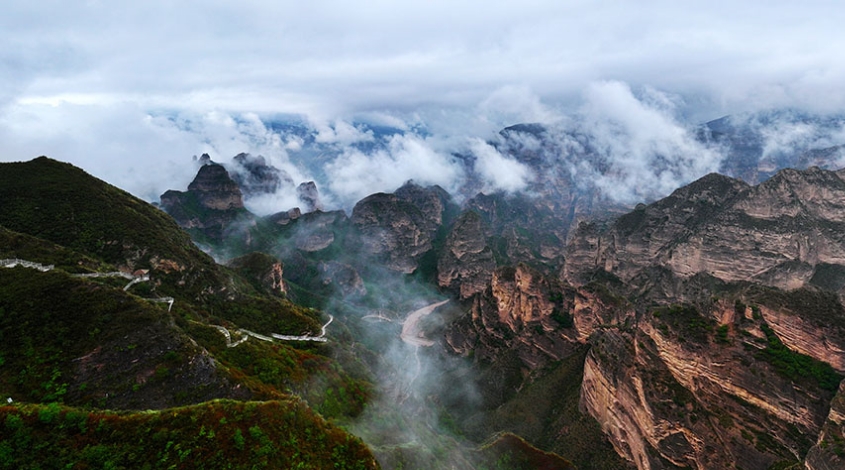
[398, 229]
[776, 233]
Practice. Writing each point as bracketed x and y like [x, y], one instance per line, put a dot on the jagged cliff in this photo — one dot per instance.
[700, 356]
[695, 348]
[715, 383]
[702, 390]
[785, 232]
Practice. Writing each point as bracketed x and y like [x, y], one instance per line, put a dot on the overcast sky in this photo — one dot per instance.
[86, 81]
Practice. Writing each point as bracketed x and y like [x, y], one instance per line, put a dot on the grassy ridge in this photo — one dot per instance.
[218, 434]
[61, 203]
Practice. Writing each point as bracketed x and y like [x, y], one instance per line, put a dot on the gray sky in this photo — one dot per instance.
[86, 81]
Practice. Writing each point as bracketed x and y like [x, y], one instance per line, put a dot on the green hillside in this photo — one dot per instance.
[219, 434]
[125, 313]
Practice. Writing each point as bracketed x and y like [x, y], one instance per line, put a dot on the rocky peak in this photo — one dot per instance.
[713, 188]
[205, 159]
[432, 201]
[215, 189]
[211, 204]
[308, 194]
[398, 228]
[257, 177]
[812, 192]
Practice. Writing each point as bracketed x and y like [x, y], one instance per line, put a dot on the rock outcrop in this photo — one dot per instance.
[522, 229]
[215, 189]
[255, 177]
[212, 203]
[466, 262]
[310, 197]
[398, 229]
[522, 313]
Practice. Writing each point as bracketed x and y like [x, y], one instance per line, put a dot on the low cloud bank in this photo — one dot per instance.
[632, 144]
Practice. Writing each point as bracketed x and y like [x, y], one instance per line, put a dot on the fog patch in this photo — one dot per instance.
[510, 105]
[646, 151]
[355, 174]
[340, 132]
[404, 421]
[498, 172]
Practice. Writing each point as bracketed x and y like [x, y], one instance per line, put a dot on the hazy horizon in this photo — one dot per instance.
[133, 89]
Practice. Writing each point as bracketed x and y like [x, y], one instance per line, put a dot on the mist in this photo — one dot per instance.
[361, 97]
[110, 86]
[632, 144]
[648, 152]
[416, 380]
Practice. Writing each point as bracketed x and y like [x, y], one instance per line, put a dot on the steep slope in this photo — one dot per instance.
[218, 434]
[114, 307]
[84, 343]
[61, 203]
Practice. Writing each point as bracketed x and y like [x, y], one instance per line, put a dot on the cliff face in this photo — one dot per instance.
[700, 390]
[523, 229]
[710, 384]
[829, 451]
[713, 384]
[466, 262]
[522, 313]
[778, 233]
[525, 320]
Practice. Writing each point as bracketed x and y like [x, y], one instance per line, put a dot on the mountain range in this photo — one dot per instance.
[561, 326]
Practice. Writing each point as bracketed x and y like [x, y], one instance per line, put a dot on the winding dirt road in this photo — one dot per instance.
[245, 334]
[411, 332]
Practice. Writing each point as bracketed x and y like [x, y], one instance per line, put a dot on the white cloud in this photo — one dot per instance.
[334, 56]
[78, 79]
[354, 174]
[340, 132]
[513, 105]
[498, 172]
[648, 153]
